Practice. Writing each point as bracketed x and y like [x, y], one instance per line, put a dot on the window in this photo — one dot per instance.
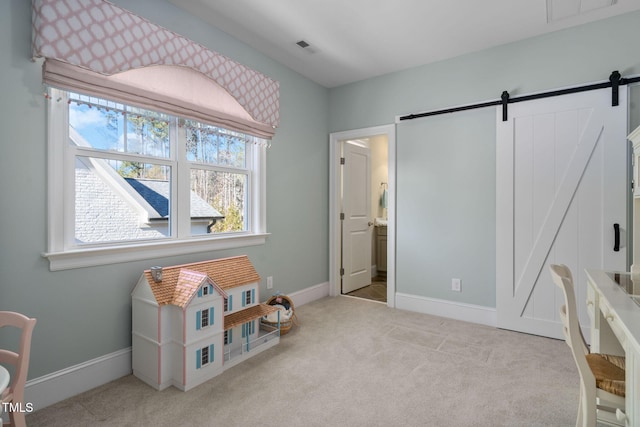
[248, 299]
[204, 318]
[204, 356]
[123, 177]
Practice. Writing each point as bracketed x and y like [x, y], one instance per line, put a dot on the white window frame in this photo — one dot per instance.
[62, 256]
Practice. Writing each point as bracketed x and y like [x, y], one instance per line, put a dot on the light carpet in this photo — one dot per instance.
[352, 362]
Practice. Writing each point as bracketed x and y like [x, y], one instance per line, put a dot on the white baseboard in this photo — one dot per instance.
[451, 309]
[60, 385]
[65, 383]
[310, 294]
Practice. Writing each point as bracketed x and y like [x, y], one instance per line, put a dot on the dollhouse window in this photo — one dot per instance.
[204, 318]
[248, 297]
[204, 356]
[227, 337]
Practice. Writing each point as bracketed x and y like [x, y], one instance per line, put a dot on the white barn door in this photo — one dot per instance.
[561, 185]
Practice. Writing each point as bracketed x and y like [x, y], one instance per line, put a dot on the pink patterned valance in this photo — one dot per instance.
[106, 39]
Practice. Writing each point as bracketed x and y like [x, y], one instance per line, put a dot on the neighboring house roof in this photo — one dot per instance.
[226, 273]
[110, 207]
[103, 213]
[156, 193]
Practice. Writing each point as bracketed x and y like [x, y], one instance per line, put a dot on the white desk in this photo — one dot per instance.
[613, 303]
[4, 383]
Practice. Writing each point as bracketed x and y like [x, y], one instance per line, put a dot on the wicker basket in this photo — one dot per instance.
[285, 326]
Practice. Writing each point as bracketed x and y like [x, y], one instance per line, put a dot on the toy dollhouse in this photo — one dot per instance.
[191, 322]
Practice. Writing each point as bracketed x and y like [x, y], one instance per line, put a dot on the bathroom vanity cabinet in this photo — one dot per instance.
[381, 249]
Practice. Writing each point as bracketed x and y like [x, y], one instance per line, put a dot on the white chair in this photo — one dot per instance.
[20, 361]
[602, 384]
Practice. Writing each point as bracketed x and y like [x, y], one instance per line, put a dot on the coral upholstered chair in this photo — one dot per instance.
[20, 362]
[602, 376]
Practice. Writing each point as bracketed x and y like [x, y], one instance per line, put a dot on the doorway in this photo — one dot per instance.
[379, 213]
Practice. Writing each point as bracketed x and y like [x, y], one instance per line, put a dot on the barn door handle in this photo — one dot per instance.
[616, 237]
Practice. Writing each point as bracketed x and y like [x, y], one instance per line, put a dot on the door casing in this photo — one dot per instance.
[335, 254]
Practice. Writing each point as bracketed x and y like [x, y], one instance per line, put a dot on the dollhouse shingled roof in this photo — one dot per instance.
[188, 283]
[225, 273]
[234, 319]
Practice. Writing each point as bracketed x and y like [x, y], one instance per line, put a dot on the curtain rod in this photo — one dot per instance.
[615, 80]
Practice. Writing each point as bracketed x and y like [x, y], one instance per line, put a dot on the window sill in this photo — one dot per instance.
[92, 257]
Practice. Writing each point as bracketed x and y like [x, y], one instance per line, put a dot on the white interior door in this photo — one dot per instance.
[561, 186]
[357, 225]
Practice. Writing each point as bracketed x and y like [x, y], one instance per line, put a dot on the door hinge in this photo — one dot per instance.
[342, 216]
[342, 160]
[342, 272]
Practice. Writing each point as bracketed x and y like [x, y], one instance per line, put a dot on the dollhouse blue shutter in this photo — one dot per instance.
[244, 330]
[253, 296]
[230, 336]
[244, 298]
[198, 358]
[230, 305]
[211, 319]
[198, 320]
[199, 292]
[211, 353]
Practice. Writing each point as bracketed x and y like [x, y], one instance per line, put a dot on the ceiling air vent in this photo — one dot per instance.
[306, 46]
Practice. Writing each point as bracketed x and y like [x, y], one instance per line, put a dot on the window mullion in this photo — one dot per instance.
[182, 185]
[258, 189]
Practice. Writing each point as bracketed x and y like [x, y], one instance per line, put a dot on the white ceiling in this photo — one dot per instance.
[352, 40]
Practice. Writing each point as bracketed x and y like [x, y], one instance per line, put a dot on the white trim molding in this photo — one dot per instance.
[115, 254]
[65, 383]
[310, 294]
[335, 255]
[450, 309]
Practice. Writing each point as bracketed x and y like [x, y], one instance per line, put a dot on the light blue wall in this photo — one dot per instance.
[446, 206]
[86, 313]
[446, 165]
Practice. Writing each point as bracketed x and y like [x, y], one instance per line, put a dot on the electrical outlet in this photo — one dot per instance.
[270, 282]
[456, 285]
